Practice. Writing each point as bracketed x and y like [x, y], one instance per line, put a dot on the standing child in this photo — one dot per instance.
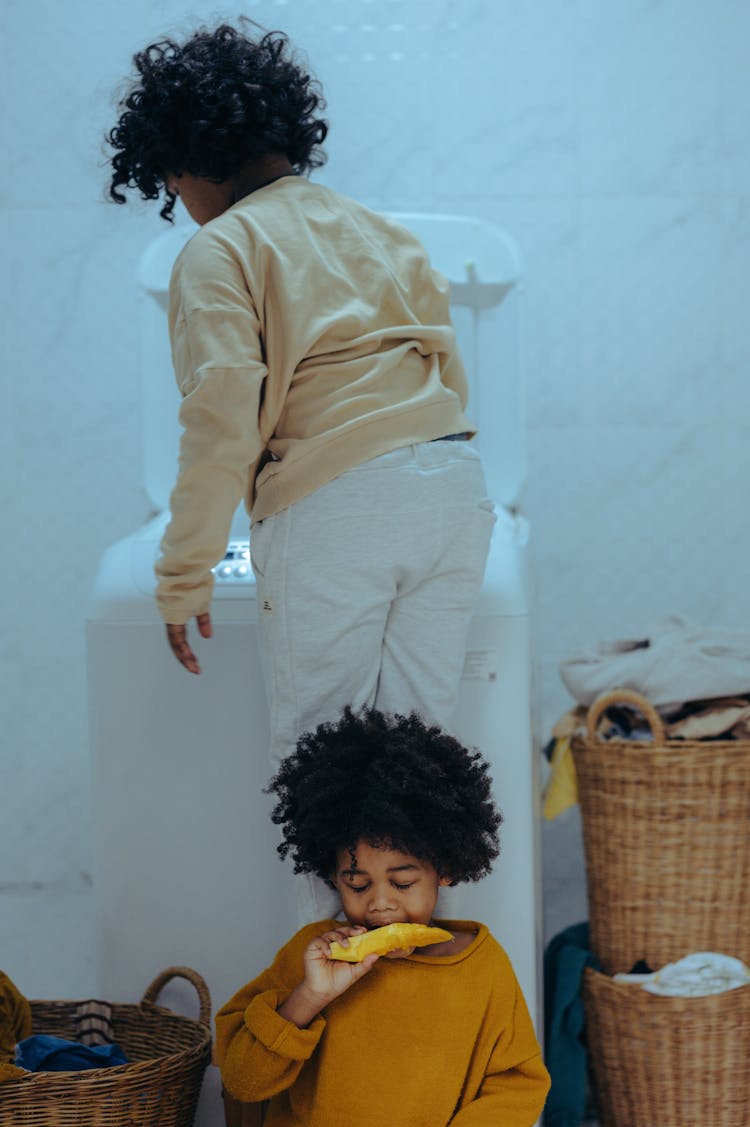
[388, 811]
[313, 348]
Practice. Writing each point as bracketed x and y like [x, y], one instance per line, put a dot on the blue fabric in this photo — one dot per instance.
[565, 1050]
[42, 1053]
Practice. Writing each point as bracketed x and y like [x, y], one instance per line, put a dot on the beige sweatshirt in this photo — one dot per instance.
[309, 334]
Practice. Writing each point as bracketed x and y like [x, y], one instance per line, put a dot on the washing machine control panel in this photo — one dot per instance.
[235, 570]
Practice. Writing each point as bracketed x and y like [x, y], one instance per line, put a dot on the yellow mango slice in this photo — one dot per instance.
[392, 937]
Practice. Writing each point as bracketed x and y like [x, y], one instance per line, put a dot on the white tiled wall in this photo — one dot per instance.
[612, 140]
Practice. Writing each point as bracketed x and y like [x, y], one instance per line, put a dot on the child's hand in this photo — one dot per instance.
[179, 645]
[324, 978]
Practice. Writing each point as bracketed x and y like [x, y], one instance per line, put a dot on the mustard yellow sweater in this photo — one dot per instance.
[309, 334]
[418, 1042]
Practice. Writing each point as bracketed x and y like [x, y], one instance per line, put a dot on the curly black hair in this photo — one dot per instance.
[388, 781]
[209, 105]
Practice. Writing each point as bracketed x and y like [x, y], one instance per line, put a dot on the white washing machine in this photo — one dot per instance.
[186, 869]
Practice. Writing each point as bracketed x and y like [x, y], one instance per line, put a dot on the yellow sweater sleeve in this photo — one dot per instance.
[258, 1052]
[264, 1053]
[220, 370]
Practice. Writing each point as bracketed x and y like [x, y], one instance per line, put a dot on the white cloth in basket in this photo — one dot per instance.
[704, 972]
[676, 662]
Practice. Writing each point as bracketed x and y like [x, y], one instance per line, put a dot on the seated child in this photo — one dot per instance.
[387, 810]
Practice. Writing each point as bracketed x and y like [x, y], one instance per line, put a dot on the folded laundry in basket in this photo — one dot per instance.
[43, 1053]
[724, 717]
[675, 662]
[704, 972]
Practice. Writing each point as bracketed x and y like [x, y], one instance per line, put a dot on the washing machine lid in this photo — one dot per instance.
[483, 267]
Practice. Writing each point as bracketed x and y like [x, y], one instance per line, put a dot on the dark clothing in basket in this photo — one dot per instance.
[43, 1053]
[564, 1050]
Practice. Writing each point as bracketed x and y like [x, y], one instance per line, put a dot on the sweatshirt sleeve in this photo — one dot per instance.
[220, 370]
[516, 1082]
[258, 1052]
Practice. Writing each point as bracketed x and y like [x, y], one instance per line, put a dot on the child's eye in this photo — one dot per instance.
[403, 887]
[359, 888]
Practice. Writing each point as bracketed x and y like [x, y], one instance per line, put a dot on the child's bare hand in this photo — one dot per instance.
[179, 645]
[326, 977]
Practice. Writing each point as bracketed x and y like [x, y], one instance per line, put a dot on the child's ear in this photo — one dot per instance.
[444, 882]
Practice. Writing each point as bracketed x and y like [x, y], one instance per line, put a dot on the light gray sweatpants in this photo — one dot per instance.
[365, 591]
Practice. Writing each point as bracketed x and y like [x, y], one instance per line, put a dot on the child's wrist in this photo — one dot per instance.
[303, 1005]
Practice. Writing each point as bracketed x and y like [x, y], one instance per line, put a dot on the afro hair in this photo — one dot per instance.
[391, 782]
[210, 105]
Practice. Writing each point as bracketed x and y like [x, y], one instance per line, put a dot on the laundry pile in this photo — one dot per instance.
[22, 1052]
[698, 681]
[699, 974]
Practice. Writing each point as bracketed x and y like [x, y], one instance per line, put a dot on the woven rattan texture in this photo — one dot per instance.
[667, 1062]
[168, 1055]
[666, 830]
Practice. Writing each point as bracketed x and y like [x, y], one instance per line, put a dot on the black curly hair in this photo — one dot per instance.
[211, 104]
[388, 781]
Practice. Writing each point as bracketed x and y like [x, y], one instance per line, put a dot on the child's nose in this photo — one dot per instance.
[382, 898]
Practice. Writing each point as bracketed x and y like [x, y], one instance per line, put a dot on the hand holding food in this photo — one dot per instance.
[325, 977]
[392, 937]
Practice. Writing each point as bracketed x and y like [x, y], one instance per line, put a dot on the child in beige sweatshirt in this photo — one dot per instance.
[321, 381]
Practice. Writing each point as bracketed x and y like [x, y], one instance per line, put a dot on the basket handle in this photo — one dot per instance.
[625, 696]
[152, 992]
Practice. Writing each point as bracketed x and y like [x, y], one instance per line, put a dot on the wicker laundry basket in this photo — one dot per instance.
[168, 1055]
[667, 1062]
[666, 832]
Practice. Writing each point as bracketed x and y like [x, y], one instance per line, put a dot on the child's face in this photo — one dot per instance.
[203, 199]
[382, 886]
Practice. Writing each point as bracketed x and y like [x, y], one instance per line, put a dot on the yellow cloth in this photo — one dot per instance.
[432, 1040]
[562, 787]
[309, 334]
[11, 1072]
[15, 1025]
